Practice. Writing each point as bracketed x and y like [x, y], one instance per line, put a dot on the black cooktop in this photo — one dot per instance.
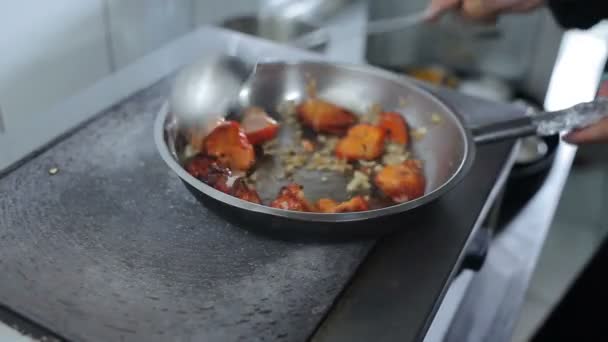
[113, 247]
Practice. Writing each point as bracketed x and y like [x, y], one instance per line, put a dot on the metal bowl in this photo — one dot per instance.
[282, 30]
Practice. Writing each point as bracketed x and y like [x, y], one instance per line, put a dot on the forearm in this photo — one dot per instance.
[580, 14]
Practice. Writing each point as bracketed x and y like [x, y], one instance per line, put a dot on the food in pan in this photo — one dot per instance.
[357, 203]
[362, 142]
[211, 171]
[324, 117]
[229, 144]
[395, 127]
[291, 197]
[372, 150]
[259, 127]
[402, 182]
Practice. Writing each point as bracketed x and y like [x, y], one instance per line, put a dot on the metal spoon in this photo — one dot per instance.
[206, 91]
[373, 27]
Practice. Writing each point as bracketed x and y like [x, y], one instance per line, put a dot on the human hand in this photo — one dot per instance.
[481, 10]
[596, 133]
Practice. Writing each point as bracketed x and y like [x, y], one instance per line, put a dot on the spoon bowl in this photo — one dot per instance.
[205, 91]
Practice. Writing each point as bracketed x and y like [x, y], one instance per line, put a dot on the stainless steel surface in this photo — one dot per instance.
[446, 150]
[396, 23]
[520, 49]
[204, 91]
[545, 123]
[578, 116]
[316, 11]
[516, 128]
[492, 304]
[282, 30]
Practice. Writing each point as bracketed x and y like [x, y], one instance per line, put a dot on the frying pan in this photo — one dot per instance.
[447, 149]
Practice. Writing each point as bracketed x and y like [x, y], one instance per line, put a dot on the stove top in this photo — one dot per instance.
[112, 246]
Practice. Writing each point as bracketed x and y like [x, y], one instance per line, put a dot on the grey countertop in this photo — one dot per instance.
[99, 260]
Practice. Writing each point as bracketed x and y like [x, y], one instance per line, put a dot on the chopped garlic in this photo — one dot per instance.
[366, 163]
[395, 154]
[436, 118]
[271, 147]
[359, 182]
[419, 133]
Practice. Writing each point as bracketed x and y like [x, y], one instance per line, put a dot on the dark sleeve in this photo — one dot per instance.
[580, 14]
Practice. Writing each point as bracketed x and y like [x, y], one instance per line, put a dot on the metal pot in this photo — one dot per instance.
[282, 30]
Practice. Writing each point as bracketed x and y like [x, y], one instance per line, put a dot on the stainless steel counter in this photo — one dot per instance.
[486, 306]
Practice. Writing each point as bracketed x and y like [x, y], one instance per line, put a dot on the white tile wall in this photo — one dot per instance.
[50, 50]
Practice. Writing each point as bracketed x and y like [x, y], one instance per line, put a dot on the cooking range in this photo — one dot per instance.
[112, 246]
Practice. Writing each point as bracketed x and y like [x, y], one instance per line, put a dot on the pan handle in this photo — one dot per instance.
[544, 123]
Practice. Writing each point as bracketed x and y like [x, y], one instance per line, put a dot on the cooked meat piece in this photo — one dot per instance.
[357, 203]
[206, 168]
[324, 117]
[230, 146]
[221, 183]
[326, 205]
[362, 141]
[403, 182]
[241, 190]
[291, 197]
[395, 127]
[196, 136]
[259, 126]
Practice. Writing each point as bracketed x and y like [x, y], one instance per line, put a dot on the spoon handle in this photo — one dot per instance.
[544, 123]
[578, 116]
[373, 27]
